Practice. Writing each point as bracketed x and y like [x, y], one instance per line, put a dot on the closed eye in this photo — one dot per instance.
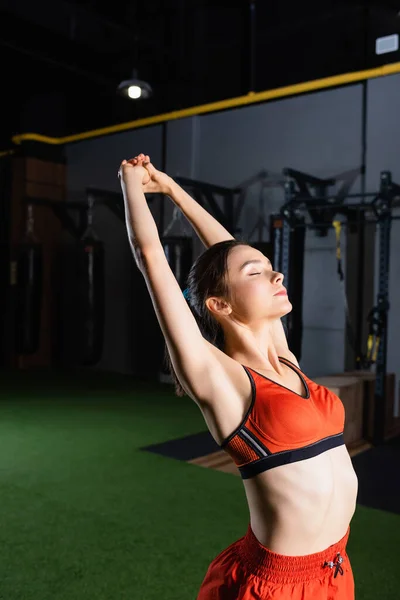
[254, 273]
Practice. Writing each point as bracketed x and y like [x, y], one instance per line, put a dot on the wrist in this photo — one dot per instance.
[170, 187]
[133, 174]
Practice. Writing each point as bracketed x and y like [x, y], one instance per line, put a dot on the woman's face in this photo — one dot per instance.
[256, 290]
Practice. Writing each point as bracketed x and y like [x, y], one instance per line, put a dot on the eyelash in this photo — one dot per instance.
[255, 273]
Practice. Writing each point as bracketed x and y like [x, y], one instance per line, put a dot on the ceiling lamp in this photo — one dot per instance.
[134, 88]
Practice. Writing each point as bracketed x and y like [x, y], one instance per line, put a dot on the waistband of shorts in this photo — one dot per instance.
[262, 562]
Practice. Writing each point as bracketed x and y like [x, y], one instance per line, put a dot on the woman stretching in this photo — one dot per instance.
[228, 352]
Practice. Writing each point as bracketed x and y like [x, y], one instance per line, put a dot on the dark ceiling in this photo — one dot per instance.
[61, 61]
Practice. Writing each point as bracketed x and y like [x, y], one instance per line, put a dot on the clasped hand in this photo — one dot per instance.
[140, 167]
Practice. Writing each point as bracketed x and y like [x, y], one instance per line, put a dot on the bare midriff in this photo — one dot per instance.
[303, 507]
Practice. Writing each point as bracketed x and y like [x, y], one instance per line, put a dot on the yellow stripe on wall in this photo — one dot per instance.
[250, 98]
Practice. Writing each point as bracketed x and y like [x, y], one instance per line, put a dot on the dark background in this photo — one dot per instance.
[61, 61]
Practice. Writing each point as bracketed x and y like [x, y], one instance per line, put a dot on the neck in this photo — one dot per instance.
[257, 345]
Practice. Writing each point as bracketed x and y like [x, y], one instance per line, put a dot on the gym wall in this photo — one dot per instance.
[319, 133]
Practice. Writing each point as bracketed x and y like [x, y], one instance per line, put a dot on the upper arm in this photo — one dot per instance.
[190, 352]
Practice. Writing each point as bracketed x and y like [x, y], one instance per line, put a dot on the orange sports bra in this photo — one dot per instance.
[282, 427]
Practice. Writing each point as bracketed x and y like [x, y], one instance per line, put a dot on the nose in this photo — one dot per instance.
[278, 277]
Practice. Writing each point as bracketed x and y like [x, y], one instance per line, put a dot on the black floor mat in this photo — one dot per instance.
[378, 471]
[186, 448]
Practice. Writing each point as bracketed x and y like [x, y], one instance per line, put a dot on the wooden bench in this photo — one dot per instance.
[356, 389]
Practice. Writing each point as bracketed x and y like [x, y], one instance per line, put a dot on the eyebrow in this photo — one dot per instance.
[249, 262]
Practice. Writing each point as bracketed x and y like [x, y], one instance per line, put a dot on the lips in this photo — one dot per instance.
[281, 293]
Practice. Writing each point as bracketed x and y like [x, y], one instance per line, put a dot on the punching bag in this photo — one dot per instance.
[90, 300]
[29, 262]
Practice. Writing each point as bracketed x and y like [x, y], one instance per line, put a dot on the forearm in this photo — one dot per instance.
[141, 227]
[209, 230]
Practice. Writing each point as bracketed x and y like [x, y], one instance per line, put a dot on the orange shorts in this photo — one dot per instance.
[246, 570]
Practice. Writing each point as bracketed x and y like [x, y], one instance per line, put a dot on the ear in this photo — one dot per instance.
[218, 307]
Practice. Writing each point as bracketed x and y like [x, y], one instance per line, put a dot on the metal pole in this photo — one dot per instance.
[384, 225]
[289, 195]
[285, 242]
[359, 293]
[276, 235]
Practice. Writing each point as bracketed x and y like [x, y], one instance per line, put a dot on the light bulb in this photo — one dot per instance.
[134, 91]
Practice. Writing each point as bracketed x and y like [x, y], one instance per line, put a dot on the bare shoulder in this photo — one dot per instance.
[290, 356]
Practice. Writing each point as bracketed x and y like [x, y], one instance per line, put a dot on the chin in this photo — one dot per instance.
[287, 309]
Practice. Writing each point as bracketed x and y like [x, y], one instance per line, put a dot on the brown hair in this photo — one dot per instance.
[206, 278]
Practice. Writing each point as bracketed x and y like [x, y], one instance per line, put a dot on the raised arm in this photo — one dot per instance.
[209, 230]
[191, 355]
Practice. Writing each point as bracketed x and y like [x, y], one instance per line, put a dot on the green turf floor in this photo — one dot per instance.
[86, 515]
